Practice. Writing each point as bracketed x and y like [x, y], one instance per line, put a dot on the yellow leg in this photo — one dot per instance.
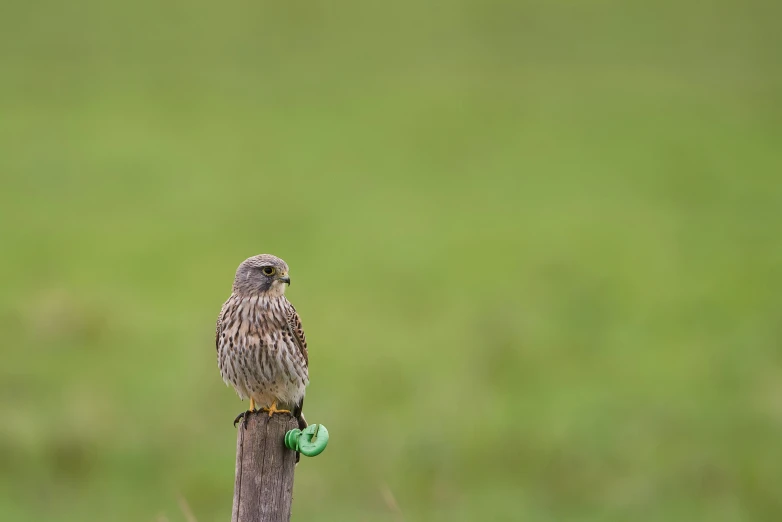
[252, 404]
[274, 409]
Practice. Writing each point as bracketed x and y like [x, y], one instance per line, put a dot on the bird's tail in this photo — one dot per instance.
[301, 420]
[299, 415]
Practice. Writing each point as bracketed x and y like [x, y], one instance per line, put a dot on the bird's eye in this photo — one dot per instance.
[268, 270]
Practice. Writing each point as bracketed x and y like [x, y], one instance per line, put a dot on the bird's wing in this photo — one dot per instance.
[294, 324]
[219, 325]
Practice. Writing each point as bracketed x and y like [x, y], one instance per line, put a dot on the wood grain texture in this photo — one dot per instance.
[263, 489]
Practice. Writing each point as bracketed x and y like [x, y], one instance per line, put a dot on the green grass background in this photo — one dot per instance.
[536, 247]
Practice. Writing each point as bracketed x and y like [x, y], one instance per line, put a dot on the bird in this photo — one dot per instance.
[261, 347]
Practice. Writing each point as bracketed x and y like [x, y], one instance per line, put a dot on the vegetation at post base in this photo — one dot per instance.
[535, 247]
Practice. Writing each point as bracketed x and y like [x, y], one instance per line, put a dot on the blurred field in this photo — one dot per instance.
[535, 246]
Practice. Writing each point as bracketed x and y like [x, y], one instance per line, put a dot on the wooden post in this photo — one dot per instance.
[263, 490]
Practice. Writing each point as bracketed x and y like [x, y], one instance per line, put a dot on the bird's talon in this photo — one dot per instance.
[243, 417]
[273, 409]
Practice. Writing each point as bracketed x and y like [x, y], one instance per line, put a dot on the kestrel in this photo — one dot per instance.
[261, 348]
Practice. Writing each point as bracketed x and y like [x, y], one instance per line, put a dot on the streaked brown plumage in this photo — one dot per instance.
[261, 348]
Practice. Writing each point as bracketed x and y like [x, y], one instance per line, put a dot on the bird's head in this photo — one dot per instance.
[264, 274]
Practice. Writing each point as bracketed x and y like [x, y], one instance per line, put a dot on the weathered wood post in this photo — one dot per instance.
[263, 491]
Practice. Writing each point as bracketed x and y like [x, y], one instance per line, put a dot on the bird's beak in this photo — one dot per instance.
[285, 279]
